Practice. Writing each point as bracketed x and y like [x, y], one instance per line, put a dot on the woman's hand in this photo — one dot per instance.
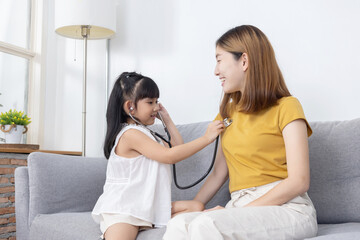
[214, 129]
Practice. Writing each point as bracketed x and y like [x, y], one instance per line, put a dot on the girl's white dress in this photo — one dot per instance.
[138, 187]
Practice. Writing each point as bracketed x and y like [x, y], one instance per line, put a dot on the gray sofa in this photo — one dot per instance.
[55, 194]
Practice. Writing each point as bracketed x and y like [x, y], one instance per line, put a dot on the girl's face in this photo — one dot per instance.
[231, 72]
[146, 110]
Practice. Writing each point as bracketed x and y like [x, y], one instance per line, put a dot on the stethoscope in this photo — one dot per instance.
[227, 122]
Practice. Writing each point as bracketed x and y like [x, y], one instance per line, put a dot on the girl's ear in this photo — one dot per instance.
[128, 107]
[244, 60]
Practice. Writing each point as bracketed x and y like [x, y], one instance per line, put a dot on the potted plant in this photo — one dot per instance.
[14, 124]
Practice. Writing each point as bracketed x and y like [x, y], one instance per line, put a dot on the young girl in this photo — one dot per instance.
[137, 191]
[264, 152]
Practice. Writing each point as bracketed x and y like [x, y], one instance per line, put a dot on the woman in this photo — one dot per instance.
[264, 152]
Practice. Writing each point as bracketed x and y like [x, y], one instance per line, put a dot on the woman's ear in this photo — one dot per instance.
[244, 61]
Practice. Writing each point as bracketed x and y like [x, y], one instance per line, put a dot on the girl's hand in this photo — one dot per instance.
[164, 113]
[214, 129]
[214, 208]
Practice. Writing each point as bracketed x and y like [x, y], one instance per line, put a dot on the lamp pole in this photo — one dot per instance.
[85, 31]
[85, 20]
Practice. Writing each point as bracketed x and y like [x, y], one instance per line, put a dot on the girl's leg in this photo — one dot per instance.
[121, 231]
[186, 206]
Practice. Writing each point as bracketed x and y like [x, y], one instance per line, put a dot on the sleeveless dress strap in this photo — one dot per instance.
[132, 126]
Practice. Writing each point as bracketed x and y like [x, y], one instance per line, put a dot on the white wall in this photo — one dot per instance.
[316, 44]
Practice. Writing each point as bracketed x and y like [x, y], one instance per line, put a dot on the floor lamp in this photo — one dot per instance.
[85, 19]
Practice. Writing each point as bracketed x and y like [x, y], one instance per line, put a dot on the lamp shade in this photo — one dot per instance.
[98, 15]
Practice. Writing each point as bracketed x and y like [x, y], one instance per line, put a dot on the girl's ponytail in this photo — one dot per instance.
[115, 116]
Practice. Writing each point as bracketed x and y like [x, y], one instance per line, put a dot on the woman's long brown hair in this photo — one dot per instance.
[264, 83]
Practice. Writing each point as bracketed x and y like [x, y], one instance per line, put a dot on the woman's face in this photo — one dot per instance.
[231, 72]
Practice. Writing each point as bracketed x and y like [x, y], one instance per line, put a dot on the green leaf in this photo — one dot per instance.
[14, 117]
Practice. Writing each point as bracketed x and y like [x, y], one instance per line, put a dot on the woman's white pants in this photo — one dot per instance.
[295, 219]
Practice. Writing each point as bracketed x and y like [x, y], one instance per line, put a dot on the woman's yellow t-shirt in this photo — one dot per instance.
[254, 147]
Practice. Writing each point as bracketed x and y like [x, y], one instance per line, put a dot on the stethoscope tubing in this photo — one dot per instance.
[174, 165]
[204, 176]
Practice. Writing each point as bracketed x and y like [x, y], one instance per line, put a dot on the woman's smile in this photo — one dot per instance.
[222, 80]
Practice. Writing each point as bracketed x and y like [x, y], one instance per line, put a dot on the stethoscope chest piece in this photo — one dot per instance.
[227, 122]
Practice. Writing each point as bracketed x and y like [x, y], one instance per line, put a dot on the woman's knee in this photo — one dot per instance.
[202, 220]
[179, 222]
[204, 227]
[176, 228]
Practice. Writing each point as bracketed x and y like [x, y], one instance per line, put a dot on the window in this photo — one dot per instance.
[15, 22]
[20, 59]
[13, 82]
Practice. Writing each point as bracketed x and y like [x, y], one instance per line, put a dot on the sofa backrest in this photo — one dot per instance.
[335, 170]
[191, 169]
[59, 183]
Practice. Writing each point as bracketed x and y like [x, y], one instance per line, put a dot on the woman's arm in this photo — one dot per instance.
[215, 180]
[297, 157]
[176, 138]
[138, 141]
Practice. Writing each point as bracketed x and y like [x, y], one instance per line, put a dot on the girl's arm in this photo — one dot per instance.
[215, 180]
[141, 143]
[297, 157]
[176, 138]
[179, 207]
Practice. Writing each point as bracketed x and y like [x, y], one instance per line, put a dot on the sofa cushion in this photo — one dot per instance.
[328, 229]
[64, 226]
[52, 191]
[79, 226]
[339, 236]
[335, 170]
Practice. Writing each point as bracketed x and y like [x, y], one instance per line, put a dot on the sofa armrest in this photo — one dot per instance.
[59, 183]
[22, 203]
